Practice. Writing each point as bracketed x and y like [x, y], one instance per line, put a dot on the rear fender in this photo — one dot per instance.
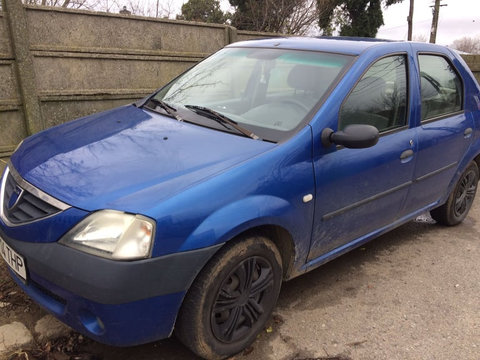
[470, 156]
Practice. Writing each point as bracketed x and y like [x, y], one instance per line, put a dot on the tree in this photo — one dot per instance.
[467, 44]
[353, 17]
[302, 19]
[150, 8]
[153, 8]
[74, 4]
[420, 38]
[204, 11]
[280, 16]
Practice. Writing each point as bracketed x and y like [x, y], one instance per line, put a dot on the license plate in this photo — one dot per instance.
[13, 259]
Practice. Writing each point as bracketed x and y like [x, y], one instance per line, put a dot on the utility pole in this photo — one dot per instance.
[410, 21]
[436, 11]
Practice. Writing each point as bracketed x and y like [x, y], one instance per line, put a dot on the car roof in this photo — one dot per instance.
[341, 45]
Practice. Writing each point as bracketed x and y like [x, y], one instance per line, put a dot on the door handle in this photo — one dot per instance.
[406, 154]
[468, 132]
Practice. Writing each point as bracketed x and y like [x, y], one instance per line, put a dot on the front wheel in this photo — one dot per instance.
[232, 298]
[460, 200]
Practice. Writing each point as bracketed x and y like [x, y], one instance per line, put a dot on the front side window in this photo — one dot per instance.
[267, 91]
[441, 87]
[380, 97]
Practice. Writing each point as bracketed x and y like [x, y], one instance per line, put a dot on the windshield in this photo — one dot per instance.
[267, 91]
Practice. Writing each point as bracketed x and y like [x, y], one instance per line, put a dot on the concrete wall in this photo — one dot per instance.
[58, 64]
[473, 62]
[12, 128]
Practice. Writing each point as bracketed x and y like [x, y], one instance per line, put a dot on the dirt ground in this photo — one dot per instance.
[411, 294]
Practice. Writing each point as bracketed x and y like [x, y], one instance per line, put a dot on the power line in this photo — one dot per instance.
[416, 23]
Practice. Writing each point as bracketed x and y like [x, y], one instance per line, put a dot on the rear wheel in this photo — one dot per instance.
[460, 200]
[232, 298]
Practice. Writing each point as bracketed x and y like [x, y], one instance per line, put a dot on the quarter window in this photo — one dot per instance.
[441, 88]
[380, 97]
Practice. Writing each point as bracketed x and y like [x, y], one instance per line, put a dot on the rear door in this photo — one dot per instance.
[445, 131]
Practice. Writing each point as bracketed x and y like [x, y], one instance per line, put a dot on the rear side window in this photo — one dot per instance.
[441, 87]
[380, 97]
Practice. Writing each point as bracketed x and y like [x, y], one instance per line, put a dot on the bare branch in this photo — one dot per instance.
[467, 44]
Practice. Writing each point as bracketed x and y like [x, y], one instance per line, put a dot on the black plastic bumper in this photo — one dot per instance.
[107, 281]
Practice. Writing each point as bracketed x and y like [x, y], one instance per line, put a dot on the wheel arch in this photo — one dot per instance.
[472, 155]
[283, 241]
[280, 237]
[270, 216]
[477, 160]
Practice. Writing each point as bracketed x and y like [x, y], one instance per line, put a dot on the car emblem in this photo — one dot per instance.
[14, 198]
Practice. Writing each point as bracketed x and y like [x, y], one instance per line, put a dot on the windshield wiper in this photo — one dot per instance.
[222, 119]
[169, 109]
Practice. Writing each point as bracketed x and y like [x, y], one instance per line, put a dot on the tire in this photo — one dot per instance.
[455, 210]
[228, 304]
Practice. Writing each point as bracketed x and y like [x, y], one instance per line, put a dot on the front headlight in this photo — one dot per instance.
[113, 234]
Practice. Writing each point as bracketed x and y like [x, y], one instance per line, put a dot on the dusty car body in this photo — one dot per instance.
[186, 210]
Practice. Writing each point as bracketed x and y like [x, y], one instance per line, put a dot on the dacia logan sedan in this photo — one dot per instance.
[185, 211]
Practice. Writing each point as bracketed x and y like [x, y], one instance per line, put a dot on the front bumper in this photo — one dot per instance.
[113, 302]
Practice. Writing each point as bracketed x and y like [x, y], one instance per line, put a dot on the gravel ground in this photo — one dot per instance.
[411, 294]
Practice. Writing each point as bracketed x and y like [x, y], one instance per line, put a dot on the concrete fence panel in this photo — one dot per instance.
[5, 47]
[243, 35]
[473, 62]
[86, 31]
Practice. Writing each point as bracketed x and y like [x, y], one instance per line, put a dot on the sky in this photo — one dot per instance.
[458, 19]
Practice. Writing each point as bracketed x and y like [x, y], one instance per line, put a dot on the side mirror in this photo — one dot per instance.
[357, 136]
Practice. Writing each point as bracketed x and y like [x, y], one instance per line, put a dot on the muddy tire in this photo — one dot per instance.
[231, 299]
[455, 210]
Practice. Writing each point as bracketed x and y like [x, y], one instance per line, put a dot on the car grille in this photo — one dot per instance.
[21, 202]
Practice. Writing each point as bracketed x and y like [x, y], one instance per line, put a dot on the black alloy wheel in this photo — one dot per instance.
[232, 298]
[458, 204]
[465, 193]
[242, 298]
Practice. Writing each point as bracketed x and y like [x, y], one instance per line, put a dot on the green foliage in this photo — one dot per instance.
[366, 17]
[353, 17]
[391, 2]
[203, 11]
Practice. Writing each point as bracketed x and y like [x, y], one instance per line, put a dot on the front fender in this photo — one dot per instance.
[237, 217]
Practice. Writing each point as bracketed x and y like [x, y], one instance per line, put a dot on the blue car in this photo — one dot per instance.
[185, 211]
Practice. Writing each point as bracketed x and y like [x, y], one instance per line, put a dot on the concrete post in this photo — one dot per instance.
[17, 23]
[232, 34]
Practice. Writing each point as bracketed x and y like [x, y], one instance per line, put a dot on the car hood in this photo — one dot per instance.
[127, 158]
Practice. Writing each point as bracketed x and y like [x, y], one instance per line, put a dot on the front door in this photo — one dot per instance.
[361, 190]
